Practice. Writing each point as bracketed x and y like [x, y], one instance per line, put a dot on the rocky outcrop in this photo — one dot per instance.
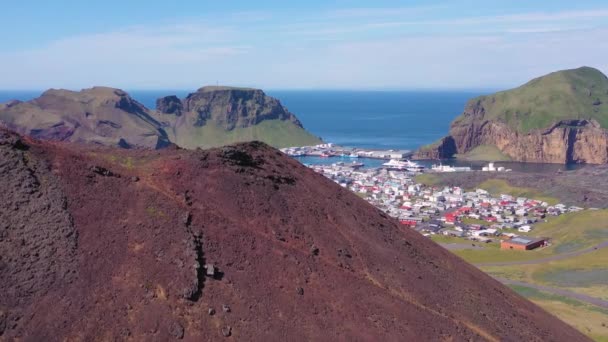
[566, 141]
[443, 149]
[169, 105]
[557, 118]
[235, 107]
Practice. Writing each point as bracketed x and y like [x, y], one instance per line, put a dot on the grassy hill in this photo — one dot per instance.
[568, 94]
[276, 133]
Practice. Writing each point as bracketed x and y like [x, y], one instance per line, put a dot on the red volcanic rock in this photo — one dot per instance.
[87, 253]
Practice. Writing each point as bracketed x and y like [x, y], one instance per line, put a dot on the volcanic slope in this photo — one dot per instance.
[101, 243]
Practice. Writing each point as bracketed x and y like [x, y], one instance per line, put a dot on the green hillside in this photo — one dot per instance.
[569, 94]
[276, 133]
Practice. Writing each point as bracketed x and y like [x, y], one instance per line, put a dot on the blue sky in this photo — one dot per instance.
[305, 45]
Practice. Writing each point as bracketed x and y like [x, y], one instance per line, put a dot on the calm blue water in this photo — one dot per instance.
[373, 119]
[475, 165]
[366, 119]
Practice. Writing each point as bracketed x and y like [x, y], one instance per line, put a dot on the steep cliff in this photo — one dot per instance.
[214, 116]
[210, 117]
[558, 118]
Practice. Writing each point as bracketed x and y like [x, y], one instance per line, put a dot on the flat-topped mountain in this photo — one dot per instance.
[240, 242]
[212, 116]
[561, 117]
[227, 113]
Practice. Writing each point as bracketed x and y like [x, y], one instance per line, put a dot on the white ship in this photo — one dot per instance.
[447, 168]
[402, 165]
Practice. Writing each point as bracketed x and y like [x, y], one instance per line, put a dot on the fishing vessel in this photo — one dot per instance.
[349, 155]
[403, 165]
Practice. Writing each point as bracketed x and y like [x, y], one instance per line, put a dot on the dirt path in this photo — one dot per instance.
[573, 295]
[547, 259]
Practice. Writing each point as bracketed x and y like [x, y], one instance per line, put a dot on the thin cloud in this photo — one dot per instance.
[353, 51]
[367, 12]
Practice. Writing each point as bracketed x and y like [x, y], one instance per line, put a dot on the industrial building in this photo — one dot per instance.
[523, 243]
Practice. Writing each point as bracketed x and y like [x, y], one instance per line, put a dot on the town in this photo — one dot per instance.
[451, 211]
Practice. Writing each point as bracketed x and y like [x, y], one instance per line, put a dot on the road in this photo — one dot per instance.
[547, 259]
[578, 296]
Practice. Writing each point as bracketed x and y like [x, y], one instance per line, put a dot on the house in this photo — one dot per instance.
[524, 229]
[523, 243]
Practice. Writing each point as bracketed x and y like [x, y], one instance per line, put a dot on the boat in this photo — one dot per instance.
[448, 168]
[355, 165]
[402, 165]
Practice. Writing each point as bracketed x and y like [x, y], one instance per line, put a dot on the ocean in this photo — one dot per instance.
[364, 119]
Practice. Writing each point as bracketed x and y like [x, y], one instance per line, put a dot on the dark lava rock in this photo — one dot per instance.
[300, 291]
[170, 105]
[103, 171]
[227, 331]
[177, 330]
[226, 308]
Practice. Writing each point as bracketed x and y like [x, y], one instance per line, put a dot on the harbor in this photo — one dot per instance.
[328, 154]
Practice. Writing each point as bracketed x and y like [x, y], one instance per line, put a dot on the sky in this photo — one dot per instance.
[311, 44]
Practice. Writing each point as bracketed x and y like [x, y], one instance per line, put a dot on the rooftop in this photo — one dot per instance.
[522, 240]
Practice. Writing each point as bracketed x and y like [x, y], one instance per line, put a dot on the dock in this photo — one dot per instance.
[331, 150]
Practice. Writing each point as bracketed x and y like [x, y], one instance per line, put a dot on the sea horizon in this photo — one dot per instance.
[380, 119]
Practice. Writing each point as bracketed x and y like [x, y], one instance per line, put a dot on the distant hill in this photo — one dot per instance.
[561, 117]
[212, 116]
[237, 243]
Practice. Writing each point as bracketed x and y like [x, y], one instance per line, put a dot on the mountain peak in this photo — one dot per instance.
[117, 241]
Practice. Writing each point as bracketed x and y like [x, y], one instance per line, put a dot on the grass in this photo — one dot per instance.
[428, 179]
[498, 255]
[469, 221]
[484, 153]
[589, 319]
[581, 274]
[439, 238]
[363, 195]
[499, 186]
[583, 228]
[276, 133]
[568, 94]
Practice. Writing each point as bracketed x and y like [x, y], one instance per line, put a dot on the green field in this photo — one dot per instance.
[469, 221]
[589, 319]
[499, 186]
[494, 186]
[428, 179]
[568, 233]
[585, 274]
[484, 153]
[574, 231]
[277, 133]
